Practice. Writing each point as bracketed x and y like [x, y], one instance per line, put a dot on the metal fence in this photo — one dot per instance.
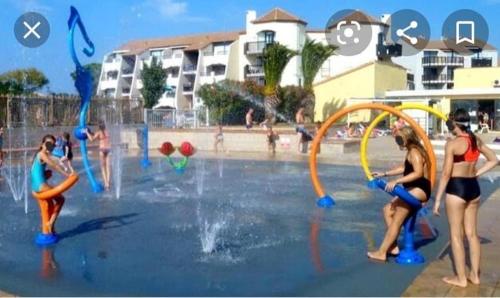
[64, 111]
[172, 118]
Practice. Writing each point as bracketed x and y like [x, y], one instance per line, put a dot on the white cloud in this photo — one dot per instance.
[31, 5]
[170, 10]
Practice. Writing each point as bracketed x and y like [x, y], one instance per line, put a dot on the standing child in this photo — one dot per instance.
[219, 139]
[104, 152]
[67, 147]
[272, 137]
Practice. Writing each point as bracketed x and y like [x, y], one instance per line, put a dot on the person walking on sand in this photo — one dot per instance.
[104, 152]
[459, 182]
[249, 119]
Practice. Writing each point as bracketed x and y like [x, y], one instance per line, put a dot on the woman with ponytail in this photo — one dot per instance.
[459, 182]
[416, 181]
[39, 176]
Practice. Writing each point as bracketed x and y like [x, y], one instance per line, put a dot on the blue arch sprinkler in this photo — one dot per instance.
[83, 84]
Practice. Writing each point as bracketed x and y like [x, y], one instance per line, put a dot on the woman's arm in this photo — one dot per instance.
[399, 170]
[492, 160]
[92, 137]
[445, 176]
[46, 159]
[417, 161]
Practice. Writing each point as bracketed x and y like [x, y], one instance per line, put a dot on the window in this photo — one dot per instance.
[269, 37]
[430, 53]
[156, 55]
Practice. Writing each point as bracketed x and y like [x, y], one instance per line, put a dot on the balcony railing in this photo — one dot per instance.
[482, 62]
[128, 70]
[441, 60]
[255, 47]
[189, 68]
[254, 70]
[433, 79]
[187, 88]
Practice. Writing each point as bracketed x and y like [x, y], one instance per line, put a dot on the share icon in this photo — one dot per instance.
[402, 32]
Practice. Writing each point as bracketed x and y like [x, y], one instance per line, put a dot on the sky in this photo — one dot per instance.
[111, 23]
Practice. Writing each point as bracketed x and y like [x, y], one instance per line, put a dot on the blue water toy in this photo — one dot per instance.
[408, 255]
[145, 163]
[83, 84]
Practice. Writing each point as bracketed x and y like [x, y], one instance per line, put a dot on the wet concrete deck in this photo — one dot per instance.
[429, 282]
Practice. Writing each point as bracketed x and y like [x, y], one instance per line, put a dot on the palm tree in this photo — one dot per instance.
[314, 54]
[276, 57]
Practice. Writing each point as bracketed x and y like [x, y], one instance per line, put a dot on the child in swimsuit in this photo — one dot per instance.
[219, 139]
[67, 148]
[415, 180]
[272, 137]
[104, 152]
[39, 177]
[459, 182]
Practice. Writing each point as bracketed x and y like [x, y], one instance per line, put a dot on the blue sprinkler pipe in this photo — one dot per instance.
[83, 84]
[145, 163]
[408, 256]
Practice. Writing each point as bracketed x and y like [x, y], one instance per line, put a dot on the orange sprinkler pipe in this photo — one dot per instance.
[57, 190]
[318, 188]
[45, 203]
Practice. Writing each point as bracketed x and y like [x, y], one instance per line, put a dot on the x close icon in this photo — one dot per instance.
[32, 29]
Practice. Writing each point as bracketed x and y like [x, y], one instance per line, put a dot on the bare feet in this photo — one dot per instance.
[455, 281]
[394, 250]
[474, 279]
[375, 255]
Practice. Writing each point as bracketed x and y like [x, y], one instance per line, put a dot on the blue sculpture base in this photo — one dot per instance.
[97, 188]
[179, 171]
[410, 257]
[46, 239]
[325, 202]
[145, 163]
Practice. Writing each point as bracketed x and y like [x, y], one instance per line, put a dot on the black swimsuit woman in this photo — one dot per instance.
[414, 180]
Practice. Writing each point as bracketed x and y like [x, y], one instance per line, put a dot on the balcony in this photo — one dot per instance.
[187, 88]
[254, 71]
[125, 91]
[442, 61]
[128, 71]
[437, 79]
[189, 68]
[482, 62]
[255, 48]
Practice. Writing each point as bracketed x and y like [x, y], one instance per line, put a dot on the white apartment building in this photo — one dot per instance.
[191, 61]
[194, 60]
[433, 68]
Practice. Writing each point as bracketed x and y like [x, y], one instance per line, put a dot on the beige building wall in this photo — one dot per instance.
[367, 81]
[479, 77]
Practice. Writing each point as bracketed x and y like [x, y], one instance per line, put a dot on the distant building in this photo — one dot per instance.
[433, 67]
[193, 60]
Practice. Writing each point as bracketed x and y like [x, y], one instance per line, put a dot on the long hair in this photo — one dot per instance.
[413, 141]
[45, 139]
[463, 116]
